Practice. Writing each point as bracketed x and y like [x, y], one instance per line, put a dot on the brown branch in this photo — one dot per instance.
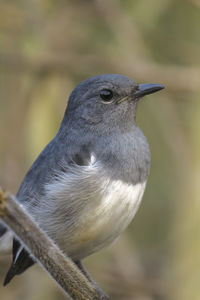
[48, 255]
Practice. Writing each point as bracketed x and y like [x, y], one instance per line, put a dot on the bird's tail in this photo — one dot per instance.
[21, 261]
[17, 269]
[10, 274]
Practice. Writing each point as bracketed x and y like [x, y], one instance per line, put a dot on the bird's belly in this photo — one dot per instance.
[102, 224]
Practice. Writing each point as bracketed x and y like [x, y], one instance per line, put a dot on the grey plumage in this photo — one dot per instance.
[86, 185]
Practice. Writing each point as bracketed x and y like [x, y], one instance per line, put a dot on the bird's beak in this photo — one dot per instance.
[146, 89]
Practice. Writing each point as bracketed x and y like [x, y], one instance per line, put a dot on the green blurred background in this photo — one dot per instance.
[49, 46]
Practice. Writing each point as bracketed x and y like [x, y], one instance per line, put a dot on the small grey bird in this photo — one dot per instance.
[87, 184]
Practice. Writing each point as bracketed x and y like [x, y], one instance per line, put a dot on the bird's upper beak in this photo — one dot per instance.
[146, 89]
[142, 90]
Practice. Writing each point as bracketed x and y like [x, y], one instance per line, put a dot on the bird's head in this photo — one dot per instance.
[106, 102]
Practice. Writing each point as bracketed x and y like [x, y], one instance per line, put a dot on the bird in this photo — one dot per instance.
[87, 184]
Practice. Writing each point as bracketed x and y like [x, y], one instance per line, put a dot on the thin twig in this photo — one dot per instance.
[48, 255]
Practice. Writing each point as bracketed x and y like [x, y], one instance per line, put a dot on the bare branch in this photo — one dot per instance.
[49, 256]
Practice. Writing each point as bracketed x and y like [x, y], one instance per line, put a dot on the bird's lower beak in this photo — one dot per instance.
[146, 89]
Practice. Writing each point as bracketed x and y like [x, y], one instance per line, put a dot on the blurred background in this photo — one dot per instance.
[46, 48]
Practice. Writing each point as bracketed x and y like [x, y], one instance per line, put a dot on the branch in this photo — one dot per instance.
[48, 255]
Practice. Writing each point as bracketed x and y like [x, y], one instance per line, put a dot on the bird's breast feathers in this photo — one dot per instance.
[86, 209]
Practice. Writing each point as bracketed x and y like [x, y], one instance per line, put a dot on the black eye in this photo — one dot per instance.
[106, 95]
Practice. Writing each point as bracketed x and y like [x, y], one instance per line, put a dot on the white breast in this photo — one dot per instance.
[103, 223]
[119, 204]
[85, 210]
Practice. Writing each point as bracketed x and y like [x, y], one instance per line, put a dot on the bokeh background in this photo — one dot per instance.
[49, 46]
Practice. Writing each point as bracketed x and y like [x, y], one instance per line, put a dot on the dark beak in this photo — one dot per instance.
[146, 89]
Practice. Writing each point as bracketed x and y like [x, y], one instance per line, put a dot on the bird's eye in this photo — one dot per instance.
[106, 95]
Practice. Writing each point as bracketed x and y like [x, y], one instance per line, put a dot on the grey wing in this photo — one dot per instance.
[28, 193]
[31, 192]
